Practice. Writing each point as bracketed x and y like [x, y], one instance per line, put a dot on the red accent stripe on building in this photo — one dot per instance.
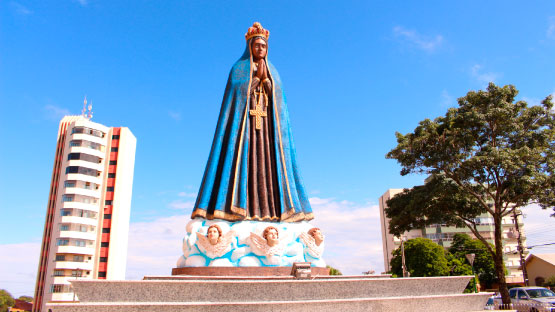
[47, 235]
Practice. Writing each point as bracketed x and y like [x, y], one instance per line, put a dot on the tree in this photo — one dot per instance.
[488, 155]
[25, 298]
[550, 282]
[484, 266]
[334, 271]
[422, 258]
[6, 300]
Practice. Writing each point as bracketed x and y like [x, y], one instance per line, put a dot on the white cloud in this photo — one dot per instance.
[180, 204]
[353, 234]
[18, 268]
[550, 33]
[54, 112]
[186, 194]
[538, 229]
[447, 99]
[155, 246]
[20, 9]
[483, 77]
[174, 115]
[425, 43]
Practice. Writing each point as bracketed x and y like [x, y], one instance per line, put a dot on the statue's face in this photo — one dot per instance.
[259, 49]
[272, 234]
[318, 237]
[213, 235]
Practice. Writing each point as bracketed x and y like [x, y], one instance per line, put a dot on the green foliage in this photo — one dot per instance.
[6, 300]
[484, 265]
[334, 271]
[26, 298]
[488, 155]
[550, 282]
[422, 258]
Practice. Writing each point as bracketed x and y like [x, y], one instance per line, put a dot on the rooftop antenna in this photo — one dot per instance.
[84, 111]
[90, 114]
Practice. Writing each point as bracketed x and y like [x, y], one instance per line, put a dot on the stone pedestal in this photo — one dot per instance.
[278, 293]
[244, 271]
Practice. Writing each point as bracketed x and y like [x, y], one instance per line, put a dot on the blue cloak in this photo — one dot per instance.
[223, 191]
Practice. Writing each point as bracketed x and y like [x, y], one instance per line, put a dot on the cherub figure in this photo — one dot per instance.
[267, 245]
[215, 244]
[314, 242]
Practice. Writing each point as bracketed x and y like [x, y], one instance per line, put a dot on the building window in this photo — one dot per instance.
[77, 258]
[83, 228]
[108, 202]
[60, 288]
[60, 257]
[82, 170]
[108, 216]
[76, 273]
[80, 243]
[64, 227]
[111, 175]
[88, 131]
[105, 244]
[70, 183]
[101, 274]
[115, 137]
[65, 212]
[58, 272]
[114, 149]
[63, 242]
[110, 189]
[67, 198]
[103, 259]
[106, 230]
[85, 157]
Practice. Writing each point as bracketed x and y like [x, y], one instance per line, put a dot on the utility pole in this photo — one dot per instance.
[405, 272]
[520, 248]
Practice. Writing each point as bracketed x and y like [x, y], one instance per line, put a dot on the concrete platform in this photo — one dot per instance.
[352, 293]
[243, 271]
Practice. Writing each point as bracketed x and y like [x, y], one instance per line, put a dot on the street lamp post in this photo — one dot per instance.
[470, 258]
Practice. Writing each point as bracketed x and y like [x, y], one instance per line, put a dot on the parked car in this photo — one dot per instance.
[493, 303]
[532, 299]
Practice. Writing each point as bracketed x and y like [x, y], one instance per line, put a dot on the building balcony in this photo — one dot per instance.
[90, 235]
[83, 191]
[80, 220]
[76, 250]
[87, 150]
[84, 206]
[86, 164]
[90, 138]
[63, 297]
[71, 265]
[84, 177]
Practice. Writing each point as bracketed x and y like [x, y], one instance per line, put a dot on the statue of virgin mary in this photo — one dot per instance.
[252, 171]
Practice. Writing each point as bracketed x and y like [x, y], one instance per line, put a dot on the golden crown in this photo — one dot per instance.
[257, 30]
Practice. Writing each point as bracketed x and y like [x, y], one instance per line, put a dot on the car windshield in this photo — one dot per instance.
[540, 292]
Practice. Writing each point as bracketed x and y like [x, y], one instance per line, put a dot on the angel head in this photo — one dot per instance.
[317, 235]
[214, 234]
[271, 235]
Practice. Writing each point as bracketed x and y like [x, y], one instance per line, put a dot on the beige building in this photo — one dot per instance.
[87, 216]
[540, 267]
[443, 235]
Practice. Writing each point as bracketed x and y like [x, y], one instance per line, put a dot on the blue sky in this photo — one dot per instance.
[354, 73]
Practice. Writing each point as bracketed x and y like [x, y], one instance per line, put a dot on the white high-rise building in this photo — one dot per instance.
[87, 218]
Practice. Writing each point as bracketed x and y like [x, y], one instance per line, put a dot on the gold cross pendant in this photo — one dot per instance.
[258, 113]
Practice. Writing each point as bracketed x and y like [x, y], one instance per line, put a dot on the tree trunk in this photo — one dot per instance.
[498, 260]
